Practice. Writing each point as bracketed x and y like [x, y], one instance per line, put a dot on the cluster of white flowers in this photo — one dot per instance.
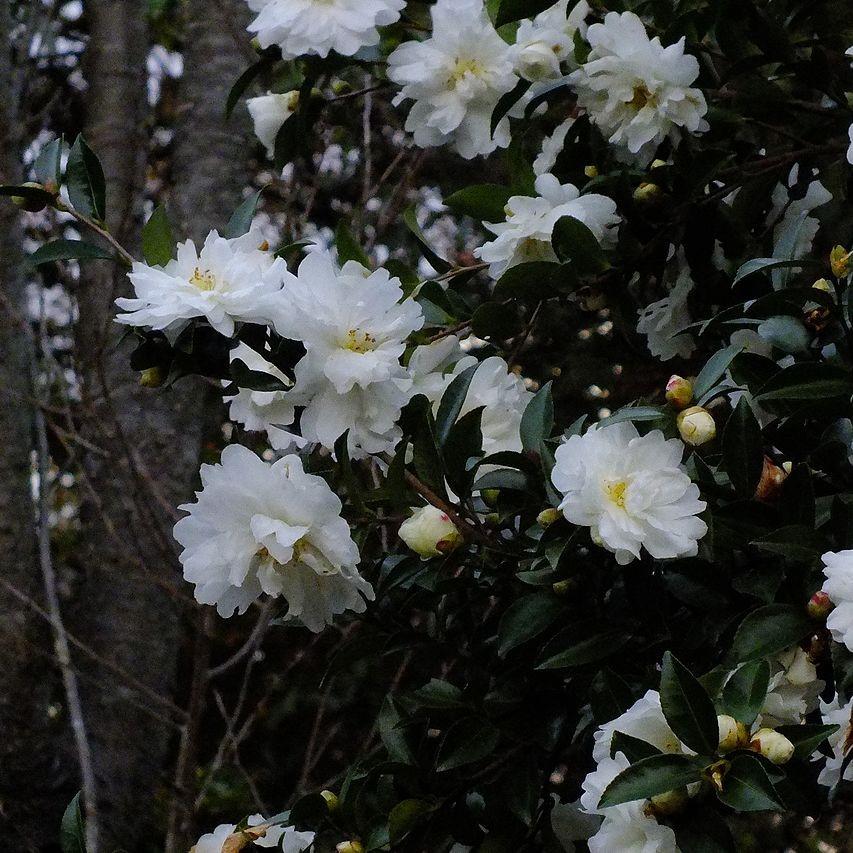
[631, 491]
[836, 714]
[302, 27]
[270, 528]
[630, 827]
[229, 281]
[793, 690]
[526, 234]
[283, 838]
[545, 45]
[636, 90]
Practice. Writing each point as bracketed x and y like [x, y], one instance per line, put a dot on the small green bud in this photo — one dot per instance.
[153, 377]
[548, 516]
[331, 798]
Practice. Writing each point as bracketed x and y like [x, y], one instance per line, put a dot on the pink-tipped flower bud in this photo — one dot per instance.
[430, 532]
[820, 606]
[733, 733]
[696, 426]
[770, 485]
[772, 745]
[679, 392]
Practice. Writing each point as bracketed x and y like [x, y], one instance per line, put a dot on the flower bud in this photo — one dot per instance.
[656, 164]
[670, 803]
[696, 426]
[430, 532]
[536, 60]
[153, 377]
[770, 484]
[341, 87]
[591, 171]
[839, 262]
[350, 847]
[679, 392]
[733, 733]
[820, 606]
[824, 285]
[331, 798]
[564, 588]
[773, 746]
[548, 516]
[647, 192]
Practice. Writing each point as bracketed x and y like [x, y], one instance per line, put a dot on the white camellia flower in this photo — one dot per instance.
[545, 43]
[429, 364]
[259, 528]
[627, 827]
[284, 838]
[299, 27]
[354, 324]
[635, 89]
[269, 112]
[631, 491]
[263, 411]
[456, 79]
[229, 281]
[835, 714]
[662, 321]
[526, 234]
[838, 568]
[552, 147]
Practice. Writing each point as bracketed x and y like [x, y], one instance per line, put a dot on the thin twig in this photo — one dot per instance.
[90, 223]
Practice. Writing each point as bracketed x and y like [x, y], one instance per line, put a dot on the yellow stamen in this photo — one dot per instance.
[616, 493]
[358, 341]
[203, 280]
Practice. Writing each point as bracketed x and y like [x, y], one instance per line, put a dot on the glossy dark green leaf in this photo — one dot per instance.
[806, 737]
[590, 650]
[688, 707]
[84, 177]
[466, 742]
[495, 321]
[158, 243]
[746, 690]
[813, 380]
[514, 10]
[768, 630]
[438, 263]
[714, 369]
[439, 695]
[485, 202]
[632, 747]
[72, 829]
[30, 198]
[537, 422]
[348, 248]
[255, 380]
[242, 83]
[241, 221]
[575, 243]
[743, 453]
[767, 265]
[407, 816]
[452, 402]
[747, 787]
[527, 618]
[535, 281]
[65, 250]
[48, 164]
[506, 103]
[648, 778]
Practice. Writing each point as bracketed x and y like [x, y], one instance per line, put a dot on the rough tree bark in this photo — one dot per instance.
[133, 600]
[31, 778]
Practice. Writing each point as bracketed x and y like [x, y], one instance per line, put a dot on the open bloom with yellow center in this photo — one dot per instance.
[258, 528]
[526, 234]
[354, 324]
[635, 89]
[631, 491]
[229, 281]
[456, 79]
[300, 27]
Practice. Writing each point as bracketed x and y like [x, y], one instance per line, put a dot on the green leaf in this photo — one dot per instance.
[241, 221]
[714, 369]
[768, 264]
[466, 742]
[743, 449]
[452, 402]
[353, 487]
[813, 380]
[485, 202]
[84, 177]
[348, 248]
[688, 707]
[158, 244]
[308, 811]
[254, 380]
[405, 817]
[439, 695]
[745, 691]
[438, 263]
[592, 649]
[769, 630]
[633, 748]
[609, 696]
[242, 83]
[514, 10]
[48, 164]
[30, 198]
[65, 250]
[527, 618]
[537, 422]
[392, 732]
[535, 281]
[648, 778]
[507, 102]
[72, 829]
[495, 321]
[464, 444]
[573, 241]
[806, 738]
[747, 787]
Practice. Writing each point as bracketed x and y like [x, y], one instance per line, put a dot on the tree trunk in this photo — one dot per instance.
[149, 441]
[31, 774]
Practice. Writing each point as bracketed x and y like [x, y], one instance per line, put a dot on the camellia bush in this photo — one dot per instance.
[630, 606]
